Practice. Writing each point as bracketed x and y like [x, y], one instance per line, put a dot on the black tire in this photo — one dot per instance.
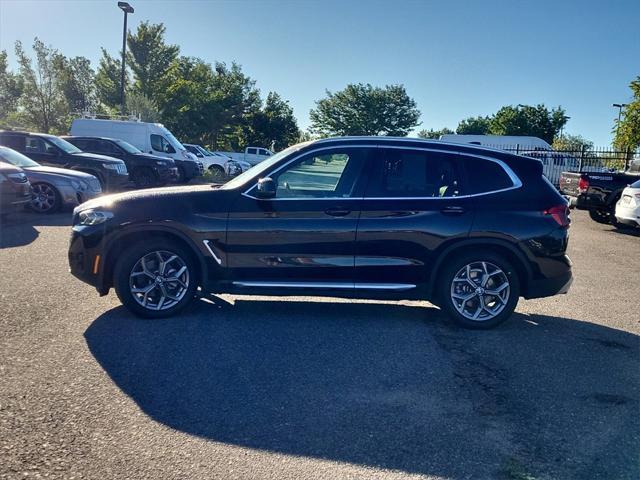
[46, 198]
[217, 174]
[508, 274]
[144, 178]
[130, 259]
[600, 216]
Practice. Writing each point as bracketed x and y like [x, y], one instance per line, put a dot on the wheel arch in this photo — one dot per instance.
[500, 247]
[136, 235]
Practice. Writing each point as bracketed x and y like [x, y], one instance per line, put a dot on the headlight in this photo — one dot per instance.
[162, 164]
[19, 177]
[110, 166]
[94, 217]
[79, 185]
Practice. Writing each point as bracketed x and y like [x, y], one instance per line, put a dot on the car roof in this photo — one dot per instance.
[89, 137]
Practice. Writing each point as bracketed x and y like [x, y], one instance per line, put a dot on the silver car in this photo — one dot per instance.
[53, 188]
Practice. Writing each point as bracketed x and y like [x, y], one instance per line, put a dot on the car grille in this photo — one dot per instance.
[200, 168]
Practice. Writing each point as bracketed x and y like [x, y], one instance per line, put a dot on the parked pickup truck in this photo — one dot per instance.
[598, 192]
[252, 155]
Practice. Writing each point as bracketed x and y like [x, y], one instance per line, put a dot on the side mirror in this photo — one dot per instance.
[169, 149]
[266, 188]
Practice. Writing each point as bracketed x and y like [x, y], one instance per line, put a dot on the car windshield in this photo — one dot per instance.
[261, 167]
[127, 147]
[204, 151]
[174, 141]
[63, 145]
[15, 158]
[635, 184]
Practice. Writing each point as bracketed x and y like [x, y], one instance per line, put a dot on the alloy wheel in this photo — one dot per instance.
[480, 291]
[43, 197]
[159, 280]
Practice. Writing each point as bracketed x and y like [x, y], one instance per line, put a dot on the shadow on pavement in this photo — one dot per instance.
[385, 385]
[18, 229]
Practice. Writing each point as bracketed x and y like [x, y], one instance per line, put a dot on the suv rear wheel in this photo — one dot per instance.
[479, 290]
[156, 280]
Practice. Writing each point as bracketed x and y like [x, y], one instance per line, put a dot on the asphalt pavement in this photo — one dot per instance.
[270, 388]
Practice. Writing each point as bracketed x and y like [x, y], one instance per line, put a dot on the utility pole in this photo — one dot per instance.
[126, 8]
[619, 106]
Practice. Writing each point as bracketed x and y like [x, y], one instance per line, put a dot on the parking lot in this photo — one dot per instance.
[316, 388]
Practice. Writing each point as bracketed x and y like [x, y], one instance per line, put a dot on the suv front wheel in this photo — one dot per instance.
[479, 290]
[156, 280]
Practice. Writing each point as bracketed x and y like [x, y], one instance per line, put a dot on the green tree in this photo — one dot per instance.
[474, 126]
[274, 126]
[150, 58]
[572, 143]
[76, 80]
[434, 134]
[142, 107]
[365, 110]
[188, 85]
[230, 104]
[10, 89]
[627, 132]
[107, 81]
[526, 120]
[42, 103]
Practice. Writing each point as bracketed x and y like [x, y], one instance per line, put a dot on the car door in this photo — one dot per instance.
[413, 204]
[305, 235]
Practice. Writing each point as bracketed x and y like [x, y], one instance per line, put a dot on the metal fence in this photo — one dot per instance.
[582, 160]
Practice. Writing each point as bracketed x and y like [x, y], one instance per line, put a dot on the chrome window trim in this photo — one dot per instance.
[515, 180]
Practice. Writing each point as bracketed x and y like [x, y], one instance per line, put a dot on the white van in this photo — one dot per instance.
[512, 143]
[151, 138]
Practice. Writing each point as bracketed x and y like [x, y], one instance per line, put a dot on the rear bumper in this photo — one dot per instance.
[548, 287]
[628, 215]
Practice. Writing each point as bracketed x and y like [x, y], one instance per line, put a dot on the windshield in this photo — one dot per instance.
[254, 172]
[173, 140]
[127, 147]
[204, 151]
[15, 158]
[63, 145]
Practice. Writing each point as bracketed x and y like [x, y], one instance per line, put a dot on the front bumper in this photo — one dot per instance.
[85, 255]
[167, 174]
[115, 181]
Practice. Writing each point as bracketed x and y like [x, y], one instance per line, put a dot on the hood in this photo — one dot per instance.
[147, 156]
[155, 200]
[97, 156]
[58, 172]
[8, 168]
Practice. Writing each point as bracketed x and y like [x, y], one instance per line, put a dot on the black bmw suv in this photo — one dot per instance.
[468, 228]
[144, 170]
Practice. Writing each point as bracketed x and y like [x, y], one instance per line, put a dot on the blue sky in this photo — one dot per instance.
[456, 59]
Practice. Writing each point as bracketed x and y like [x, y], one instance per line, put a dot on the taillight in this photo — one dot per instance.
[560, 213]
[583, 184]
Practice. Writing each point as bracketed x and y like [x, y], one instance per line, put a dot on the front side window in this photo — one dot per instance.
[160, 144]
[252, 151]
[484, 176]
[415, 173]
[325, 174]
[36, 145]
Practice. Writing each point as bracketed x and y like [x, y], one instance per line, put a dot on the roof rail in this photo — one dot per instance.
[106, 116]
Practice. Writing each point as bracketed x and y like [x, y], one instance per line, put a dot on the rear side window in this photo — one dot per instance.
[252, 151]
[415, 173]
[81, 143]
[13, 141]
[484, 175]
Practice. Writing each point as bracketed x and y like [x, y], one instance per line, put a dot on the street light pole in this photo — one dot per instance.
[126, 8]
[619, 106]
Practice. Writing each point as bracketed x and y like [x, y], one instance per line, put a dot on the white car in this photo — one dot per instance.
[221, 166]
[628, 207]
